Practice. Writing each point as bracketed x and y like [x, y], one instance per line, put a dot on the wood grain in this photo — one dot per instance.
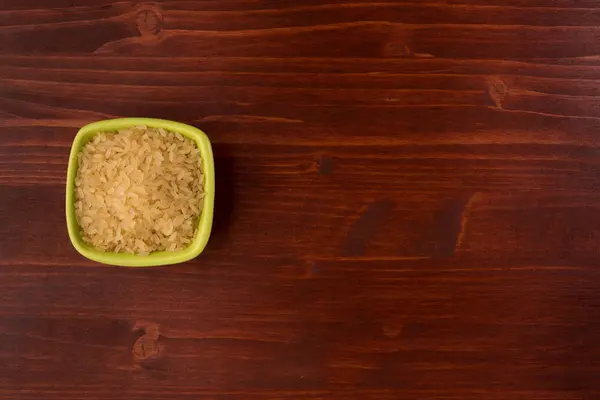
[407, 203]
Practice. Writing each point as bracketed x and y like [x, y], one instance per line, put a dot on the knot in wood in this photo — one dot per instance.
[149, 22]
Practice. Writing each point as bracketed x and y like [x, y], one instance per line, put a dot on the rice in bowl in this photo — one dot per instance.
[139, 190]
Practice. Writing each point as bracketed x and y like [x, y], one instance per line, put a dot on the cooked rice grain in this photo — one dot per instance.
[139, 190]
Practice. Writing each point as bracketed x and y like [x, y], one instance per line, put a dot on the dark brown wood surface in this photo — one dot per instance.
[407, 200]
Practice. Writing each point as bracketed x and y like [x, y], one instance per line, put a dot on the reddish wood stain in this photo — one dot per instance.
[407, 200]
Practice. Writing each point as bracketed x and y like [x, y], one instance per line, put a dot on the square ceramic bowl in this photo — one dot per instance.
[156, 258]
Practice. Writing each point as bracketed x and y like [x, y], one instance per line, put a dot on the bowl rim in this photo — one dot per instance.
[157, 258]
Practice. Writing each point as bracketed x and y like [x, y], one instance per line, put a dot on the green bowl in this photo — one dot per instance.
[156, 258]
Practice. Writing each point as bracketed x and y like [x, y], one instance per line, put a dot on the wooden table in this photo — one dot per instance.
[407, 200]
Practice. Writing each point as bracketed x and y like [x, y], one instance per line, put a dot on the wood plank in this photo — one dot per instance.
[368, 30]
[417, 325]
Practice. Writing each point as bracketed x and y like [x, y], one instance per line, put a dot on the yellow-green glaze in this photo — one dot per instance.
[157, 258]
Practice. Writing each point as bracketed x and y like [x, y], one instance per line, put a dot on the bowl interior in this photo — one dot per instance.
[156, 258]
